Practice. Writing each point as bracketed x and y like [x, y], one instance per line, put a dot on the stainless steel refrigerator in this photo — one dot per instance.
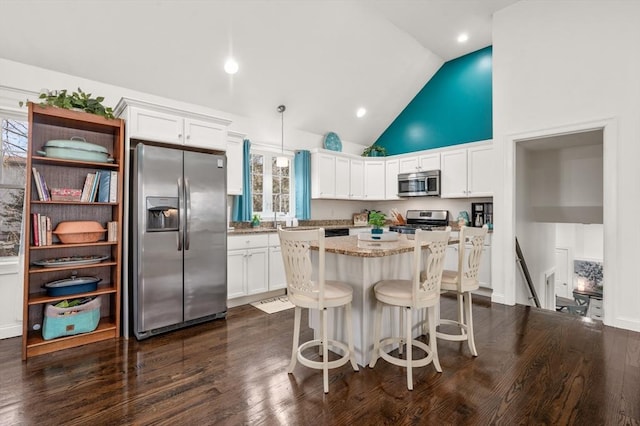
[179, 238]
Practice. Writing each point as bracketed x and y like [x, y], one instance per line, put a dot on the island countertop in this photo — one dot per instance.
[348, 245]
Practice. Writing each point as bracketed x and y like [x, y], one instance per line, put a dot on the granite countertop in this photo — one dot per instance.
[351, 247]
[242, 228]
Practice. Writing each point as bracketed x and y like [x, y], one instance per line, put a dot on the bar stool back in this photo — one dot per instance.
[463, 282]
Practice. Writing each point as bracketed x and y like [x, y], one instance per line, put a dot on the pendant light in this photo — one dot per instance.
[281, 160]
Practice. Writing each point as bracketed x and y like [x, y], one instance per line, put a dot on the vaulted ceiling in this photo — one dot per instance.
[322, 59]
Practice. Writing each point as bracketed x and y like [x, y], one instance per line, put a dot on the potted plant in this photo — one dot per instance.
[374, 151]
[377, 220]
[77, 100]
[255, 221]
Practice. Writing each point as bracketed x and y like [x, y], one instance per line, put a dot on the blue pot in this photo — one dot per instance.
[376, 233]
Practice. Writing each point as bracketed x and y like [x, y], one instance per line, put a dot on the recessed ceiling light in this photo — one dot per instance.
[463, 37]
[231, 66]
[361, 112]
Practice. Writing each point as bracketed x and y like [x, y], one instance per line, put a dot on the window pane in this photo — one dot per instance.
[257, 202]
[12, 177]
[10, 221]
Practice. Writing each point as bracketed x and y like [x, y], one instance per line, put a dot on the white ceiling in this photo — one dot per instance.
[322, 59]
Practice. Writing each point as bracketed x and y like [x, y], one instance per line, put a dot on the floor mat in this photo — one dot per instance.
[275, 304]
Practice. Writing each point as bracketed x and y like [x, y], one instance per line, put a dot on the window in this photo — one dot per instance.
[12, 183]
[270, 186]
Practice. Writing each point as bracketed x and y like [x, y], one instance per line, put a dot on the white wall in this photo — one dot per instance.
[562, 65]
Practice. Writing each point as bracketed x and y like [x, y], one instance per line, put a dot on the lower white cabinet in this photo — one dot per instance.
[484, 274]
[277, 275]
[247, 265]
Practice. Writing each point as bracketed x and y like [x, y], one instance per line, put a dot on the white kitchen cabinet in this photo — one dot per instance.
[420, 163]
[323, 175]
[342, 176]
[467, 172]
[234, 162]
[481, 171]
[247, 265]
[356, 182]
[392, 168]
[157, 123]
[277, 275]
[374, 179]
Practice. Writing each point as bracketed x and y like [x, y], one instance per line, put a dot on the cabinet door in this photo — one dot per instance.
[205, 134]
[234, 167]
[429, 162]
[480, 171]
[257, 270]
[357, 179]
[277, 276]
[374, 183]
[409, 165]
[155, 126]
[342, 177]
[484, 274]
[323, 175]
[453, 175]
[392, 168]
[235, 273]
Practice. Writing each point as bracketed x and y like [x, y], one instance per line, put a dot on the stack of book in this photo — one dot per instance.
[42, 235]
[101, 186]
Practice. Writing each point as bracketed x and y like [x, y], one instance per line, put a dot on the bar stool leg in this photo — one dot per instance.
[468, 313]
[409, 357]
[377, 323]
[296, 338]
[352, 355]
[433, 344]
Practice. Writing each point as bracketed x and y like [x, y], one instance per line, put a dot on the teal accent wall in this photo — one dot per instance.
[454, 107]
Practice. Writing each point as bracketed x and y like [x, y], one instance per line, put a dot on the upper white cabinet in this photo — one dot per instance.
[146, 121]
[323, 175]
[356, 180]
[374, 182]
[467, 172]
[347, 177]
[234, 162]
[392, 168]
[420, 163]
[342, 174]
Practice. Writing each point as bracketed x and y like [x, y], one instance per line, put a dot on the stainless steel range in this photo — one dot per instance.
[427, 220]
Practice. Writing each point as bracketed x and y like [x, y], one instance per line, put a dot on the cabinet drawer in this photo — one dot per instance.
[239, 242]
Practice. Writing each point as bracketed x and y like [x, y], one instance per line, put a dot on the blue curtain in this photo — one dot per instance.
[242, 204]
[302, 167]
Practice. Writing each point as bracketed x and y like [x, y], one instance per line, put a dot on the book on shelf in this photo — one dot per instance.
[88, 186]
[112, 231]
[41, 230]
[94, 187]
[35, 225]
[113, 187]
[45, 189]
[36, 180]
[103, 186]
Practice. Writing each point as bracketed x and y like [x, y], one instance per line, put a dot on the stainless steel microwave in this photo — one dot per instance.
[419, 184]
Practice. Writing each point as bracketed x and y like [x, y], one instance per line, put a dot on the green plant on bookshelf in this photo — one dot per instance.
[76, 100]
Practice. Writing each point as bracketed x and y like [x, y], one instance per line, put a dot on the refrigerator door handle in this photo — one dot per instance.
[187, 195]
[180, 210]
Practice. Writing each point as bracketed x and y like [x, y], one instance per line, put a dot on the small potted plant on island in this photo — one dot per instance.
[377, 220]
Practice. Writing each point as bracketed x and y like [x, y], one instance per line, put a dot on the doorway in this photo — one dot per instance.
[559, 192]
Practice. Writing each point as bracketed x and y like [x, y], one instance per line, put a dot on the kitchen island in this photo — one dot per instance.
[361, 268]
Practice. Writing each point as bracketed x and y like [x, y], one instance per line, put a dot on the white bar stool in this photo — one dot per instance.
[320, 295]
[463, 282]
[423, 291]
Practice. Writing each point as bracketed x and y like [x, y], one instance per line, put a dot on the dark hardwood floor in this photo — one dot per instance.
[535, 367]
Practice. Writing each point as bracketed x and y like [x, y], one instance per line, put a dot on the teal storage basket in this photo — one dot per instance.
[60, 322]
